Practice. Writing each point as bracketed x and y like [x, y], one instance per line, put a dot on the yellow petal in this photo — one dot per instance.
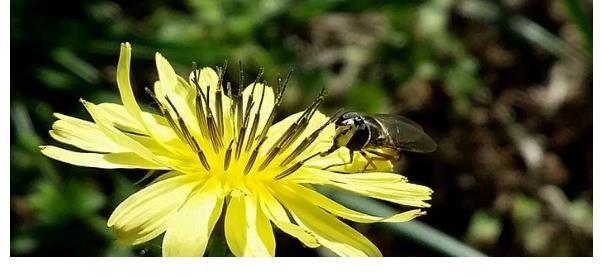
[108, 161]
[330, 231]
[277, 214]
[322, 143]
[189, 230]
[123, 83]
[146, 213]
[339, 210]
[248, 232]
[209, 78]
[386, 186]
[172, 150]
[117, 136]
[167, 77]
[179, 93]
[342, 156]
[119, 116]
[154, 125]
[163, 137]
[256, 91]
[82, 134]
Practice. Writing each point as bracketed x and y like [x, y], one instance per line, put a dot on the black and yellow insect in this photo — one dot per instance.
[382, 135]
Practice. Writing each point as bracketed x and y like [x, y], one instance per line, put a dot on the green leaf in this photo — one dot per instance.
[579, 17]
[368, 98]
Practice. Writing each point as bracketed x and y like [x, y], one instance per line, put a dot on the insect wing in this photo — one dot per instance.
[405, 134]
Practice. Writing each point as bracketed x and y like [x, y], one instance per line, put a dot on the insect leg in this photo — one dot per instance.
[340, 164]
[369, 161]
[384, 155]
[380, 156]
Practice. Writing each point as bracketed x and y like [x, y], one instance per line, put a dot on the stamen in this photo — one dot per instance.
[253, 156]
[166, 115]
[256, 119]
[221, 72]
[203, 159]
[294, 131]
[295, 167]
[229, 90]
[277, 102]
[216, 139]
[228, 155]
[186, 136]
[289, 171]
[246, 120]
[218, 99]
[199, 112]
[271, 155]
[308, 140]
[239, 97]
[212, 132]
[234, 128]
[243, 130]
[301, 124]
[241, 78]
[123, 129]
[237, 108]
[219, 114]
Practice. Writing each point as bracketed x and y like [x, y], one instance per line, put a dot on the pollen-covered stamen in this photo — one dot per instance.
[166, 115]
[200, 114]
[239, 96]
[228, 155]
[180, 131]
[300, 125]
[214, 136]
[253, 156]
[124, 129]
[199, 111]
[263, 135]
[256, 119]
[243, 127]
[241, 77]
[294, 131]
[207, 124]
[218, 100]
[219, 114]
[289, 171]
[310, 139]
[295, 167]
[271, 155]
[187, 137]
[236, 110]
[181, 126]
[243, 130]
[277, 102]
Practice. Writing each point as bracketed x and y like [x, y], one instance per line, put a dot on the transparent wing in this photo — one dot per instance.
[404, 134]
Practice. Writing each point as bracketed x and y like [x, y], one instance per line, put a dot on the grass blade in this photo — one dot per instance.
[413, 230]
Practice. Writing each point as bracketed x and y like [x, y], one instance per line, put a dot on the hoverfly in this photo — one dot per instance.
[368, 134]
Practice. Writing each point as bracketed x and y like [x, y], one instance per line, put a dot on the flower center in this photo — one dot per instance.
[231, 142]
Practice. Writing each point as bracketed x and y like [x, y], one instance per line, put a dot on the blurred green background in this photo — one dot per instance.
[504, 87]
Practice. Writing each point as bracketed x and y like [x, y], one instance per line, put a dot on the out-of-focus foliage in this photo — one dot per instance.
[505, 87]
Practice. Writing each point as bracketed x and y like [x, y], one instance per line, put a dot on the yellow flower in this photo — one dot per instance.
[224, 157]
